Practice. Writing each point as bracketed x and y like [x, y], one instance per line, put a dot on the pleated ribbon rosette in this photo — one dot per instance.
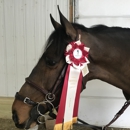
[76, 56]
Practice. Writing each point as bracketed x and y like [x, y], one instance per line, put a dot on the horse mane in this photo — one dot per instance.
[60, 38]
[105, 29]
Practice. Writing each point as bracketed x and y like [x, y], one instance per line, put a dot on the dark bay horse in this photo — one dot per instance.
[109, 61]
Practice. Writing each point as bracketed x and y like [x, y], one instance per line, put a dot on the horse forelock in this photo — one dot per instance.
[60, 39]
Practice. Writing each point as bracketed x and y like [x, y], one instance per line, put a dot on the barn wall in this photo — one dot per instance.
[101, 101]
[24, 29]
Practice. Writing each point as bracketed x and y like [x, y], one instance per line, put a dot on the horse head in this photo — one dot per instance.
[42, 89]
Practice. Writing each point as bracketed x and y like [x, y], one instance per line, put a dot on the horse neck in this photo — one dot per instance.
[107, 57]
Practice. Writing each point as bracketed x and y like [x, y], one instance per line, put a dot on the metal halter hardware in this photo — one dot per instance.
[43, 116]
[26, 100]
[49, 98]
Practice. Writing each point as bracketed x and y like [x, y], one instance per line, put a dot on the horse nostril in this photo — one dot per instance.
[16, 120]
[15, 117]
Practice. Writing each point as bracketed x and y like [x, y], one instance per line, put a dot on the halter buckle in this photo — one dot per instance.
[26, 99]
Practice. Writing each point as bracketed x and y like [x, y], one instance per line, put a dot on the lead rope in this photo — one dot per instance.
[120, 112]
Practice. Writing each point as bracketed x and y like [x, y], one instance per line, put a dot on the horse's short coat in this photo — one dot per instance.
[109, 61]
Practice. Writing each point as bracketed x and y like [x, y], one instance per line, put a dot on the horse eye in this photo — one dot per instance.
[50, 62]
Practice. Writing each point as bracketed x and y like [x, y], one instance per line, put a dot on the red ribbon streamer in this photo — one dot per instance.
[61, 110]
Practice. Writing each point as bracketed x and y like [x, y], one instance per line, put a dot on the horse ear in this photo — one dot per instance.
[67, 25]
[55, 24]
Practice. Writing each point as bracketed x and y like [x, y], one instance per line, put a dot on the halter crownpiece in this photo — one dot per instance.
[76, 56]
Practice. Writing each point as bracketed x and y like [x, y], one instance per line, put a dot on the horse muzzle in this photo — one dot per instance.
[36, 116]
[38, 111]
[16, 120]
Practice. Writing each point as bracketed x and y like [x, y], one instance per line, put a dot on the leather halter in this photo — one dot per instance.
[50, 96]
[33, 84]
[26, 100]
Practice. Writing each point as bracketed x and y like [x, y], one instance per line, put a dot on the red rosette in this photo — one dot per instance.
[77, 54]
